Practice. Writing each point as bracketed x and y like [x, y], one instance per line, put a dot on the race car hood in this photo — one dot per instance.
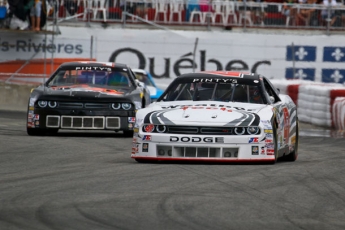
[83, 91]
[203, 113]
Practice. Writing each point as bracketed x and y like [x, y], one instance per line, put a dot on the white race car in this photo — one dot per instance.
[217, 116]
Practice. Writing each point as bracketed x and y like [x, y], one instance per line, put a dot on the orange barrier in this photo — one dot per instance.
[33, 71]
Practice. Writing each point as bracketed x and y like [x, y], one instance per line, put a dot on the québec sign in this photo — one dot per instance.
[186, 62]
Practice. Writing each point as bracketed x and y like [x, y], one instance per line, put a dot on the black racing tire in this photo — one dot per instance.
[294, 154]
[275, 141]
[35, 132]
[140, 161]
[128, 133]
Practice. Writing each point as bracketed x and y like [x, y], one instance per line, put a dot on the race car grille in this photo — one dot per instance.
[79, 122]
[82, 122]
[113, 122]
[79, 105]
[173, 129]
[200, 130]
[196, 152]
[70, 105]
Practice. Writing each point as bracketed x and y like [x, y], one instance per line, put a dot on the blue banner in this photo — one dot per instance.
[301, 53]
[333, 54]
[300, 73]
[333, 75]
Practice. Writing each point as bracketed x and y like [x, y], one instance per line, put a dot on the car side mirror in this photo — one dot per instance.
[272, 100]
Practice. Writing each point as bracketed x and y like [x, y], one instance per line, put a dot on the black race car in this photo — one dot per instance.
[87, 96]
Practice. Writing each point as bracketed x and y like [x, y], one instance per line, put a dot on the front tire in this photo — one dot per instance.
[294, 154]
[35, 132]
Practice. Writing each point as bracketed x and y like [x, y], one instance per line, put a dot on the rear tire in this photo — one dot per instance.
[294, 154]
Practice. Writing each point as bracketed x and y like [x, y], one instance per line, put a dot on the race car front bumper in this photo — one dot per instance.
[232, 148]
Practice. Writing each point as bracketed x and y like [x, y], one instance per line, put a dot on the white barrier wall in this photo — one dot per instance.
[317, 103]
[167, 54]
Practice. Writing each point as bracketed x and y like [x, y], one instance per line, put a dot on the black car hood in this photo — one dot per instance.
[84, 91]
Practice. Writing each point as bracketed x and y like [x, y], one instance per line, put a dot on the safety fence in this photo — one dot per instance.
[317, 103]
[222, 13]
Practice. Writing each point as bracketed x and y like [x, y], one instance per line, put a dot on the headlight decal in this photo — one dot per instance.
[42, 104]
[126, 106]
[52, 104]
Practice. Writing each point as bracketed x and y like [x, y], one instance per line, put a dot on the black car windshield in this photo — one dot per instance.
[116, 78]
[214, 91]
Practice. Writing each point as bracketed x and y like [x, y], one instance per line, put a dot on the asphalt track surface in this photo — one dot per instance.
[88, 181]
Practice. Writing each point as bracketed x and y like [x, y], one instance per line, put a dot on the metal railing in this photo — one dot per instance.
[216, 13]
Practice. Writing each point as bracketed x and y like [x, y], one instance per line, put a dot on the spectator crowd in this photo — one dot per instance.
[32, 14]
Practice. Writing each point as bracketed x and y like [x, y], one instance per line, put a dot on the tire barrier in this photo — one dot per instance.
[320, 104]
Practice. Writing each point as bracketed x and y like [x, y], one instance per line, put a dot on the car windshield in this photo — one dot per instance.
[214, 91]
[117, 78]
[143, 78]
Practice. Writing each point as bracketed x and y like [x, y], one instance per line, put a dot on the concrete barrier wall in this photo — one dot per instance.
[14, 97]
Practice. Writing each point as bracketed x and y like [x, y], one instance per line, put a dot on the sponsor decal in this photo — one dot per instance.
[270, 151]
[130, 125]
[135, 150]
[269, 135]
[197, 139]
[253, 140]
[145, 147]
[31, 107]
[263, 150]
[269, 146]
[37, 123]
[268, 130]
[216, 80]
[135, 140]
[293, 140]
[146, 138]
[204, 106]
[131, 119]
[255, 150]
[269, 141]
[36, 116]
[93, 68]
[31, 124]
